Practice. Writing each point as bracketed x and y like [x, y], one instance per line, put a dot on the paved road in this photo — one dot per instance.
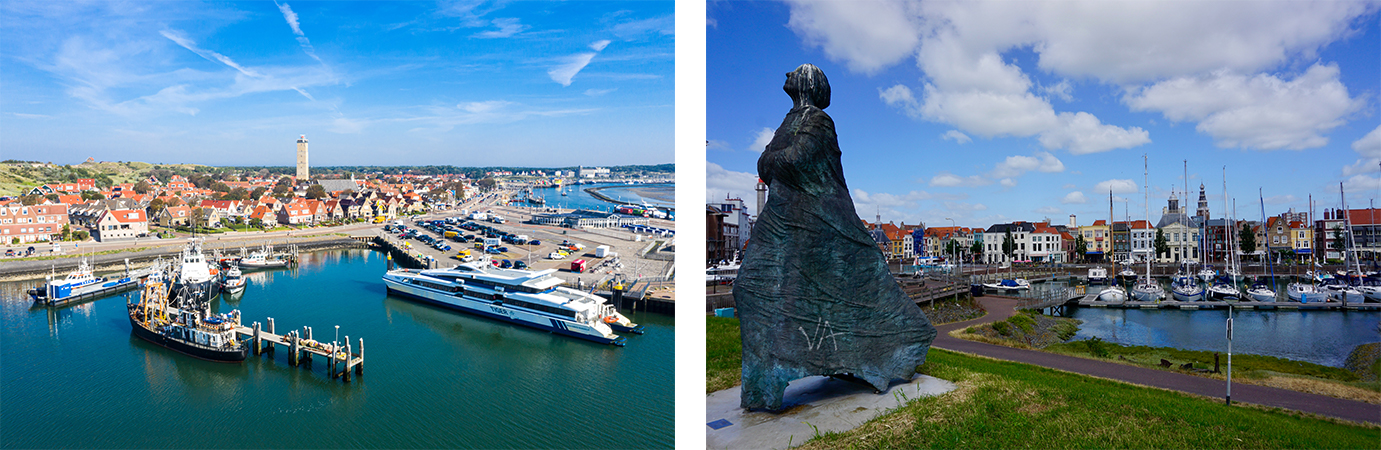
[1000, 308]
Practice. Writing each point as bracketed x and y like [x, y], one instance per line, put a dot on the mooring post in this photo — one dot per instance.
[359, 368]
[256, 339]
[292, 348]
[347, 359]
[331, 366]
[271, 348]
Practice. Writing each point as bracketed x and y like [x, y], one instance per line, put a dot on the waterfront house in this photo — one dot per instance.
[1097, 240]
[1121, 242]
[172, 216]
[1181, 233]
[1067, 243]
[34, 223]
[295, 212]
[716, 244]
[1277, 237]
[993, 240]
[120, 224]
[1330, 229]
[1046, 244]
[1301, 240]
[1143, 240]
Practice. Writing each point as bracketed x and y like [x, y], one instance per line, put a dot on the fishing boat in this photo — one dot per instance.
[195, 275]
[534, 299]
[191, 331]
[261, 259]
[234, 281]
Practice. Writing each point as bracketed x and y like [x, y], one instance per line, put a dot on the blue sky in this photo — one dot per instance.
[991, 112]
[469, 83]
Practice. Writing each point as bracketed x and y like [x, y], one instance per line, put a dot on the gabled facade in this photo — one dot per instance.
[36, 223]
[120, 224]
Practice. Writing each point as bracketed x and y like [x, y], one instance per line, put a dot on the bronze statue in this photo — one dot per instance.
[814, 294]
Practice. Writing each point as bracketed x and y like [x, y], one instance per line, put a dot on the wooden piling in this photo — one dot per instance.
[359, 368]
[271, 348]
[346, 372]
[258, 343]
[331, 367]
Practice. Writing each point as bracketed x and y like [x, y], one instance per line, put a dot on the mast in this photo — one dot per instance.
[1146, 194]
[1260, 197]
[1109, 236]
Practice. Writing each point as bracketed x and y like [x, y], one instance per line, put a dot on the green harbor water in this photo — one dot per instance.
[75, 377]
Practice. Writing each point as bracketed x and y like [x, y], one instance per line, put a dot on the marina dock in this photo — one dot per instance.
[1088, 298]
[340, 360]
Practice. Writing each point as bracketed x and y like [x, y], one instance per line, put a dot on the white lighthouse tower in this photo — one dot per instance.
[302, 159]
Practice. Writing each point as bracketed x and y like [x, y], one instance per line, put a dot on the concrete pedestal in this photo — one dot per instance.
[827, 404]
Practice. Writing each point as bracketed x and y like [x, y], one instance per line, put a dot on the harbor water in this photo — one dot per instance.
[659, 195]
[1321, 337]
[434, 378]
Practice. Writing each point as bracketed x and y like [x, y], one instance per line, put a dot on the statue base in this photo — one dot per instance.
[813, 403]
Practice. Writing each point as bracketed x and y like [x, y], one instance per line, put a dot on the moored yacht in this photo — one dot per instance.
[530, 298]
[1223, 289]
[261, 259]
[1259, 292]
[234, 281]
[1098, 275]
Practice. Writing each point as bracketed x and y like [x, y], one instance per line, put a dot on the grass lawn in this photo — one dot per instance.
[1009, 405]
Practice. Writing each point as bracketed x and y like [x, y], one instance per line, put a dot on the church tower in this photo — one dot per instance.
[302, 159]
[1203, 204]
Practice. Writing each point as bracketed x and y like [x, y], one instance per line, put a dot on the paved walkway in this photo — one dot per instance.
[1000, 308]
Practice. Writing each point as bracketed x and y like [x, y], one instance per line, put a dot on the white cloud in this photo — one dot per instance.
[1015, 166]
[1259, 112]
[291, 17]
[1007, 183]
[946, 179]
[1369, 147]
[866, 35]
[956, 136]
[209, 55]
[712, 144]
[1075, 197]
[1280, 199]
[483, 107]
[761, 138]
[599, 92]
[1068, 186]
[347, 126]
[507, 26]
[966, 83]
[1362, 183]
[565, 72]
[1082, 133]
[599, 45]
[720, 181]
[899, 96]
[1117, 186]
[1047, 210]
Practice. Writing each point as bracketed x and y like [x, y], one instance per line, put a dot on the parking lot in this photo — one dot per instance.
[623, 247]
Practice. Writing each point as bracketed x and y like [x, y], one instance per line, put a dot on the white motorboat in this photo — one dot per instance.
[261, 259]
[195, 275]
[1098, 275]
[1007, 284]
[234, 281]
[530, 298]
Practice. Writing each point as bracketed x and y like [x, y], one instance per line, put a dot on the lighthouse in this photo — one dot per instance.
[302, 159]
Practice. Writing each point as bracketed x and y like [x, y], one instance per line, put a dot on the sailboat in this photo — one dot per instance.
[1338, 288]
[1225, 287]
[1112, 293]
[1303, 292]
[1185, 286]
[1146, 288]
[1258, 290]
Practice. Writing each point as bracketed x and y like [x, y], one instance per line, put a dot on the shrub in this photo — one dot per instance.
[1025, 322]
[1002, 328]
[1096, 347]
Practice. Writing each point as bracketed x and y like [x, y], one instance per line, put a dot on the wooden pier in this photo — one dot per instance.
[340, 360]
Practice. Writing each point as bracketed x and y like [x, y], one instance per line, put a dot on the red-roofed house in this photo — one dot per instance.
[295, 212]
[171, 216]
[31, 223]
[121, 224]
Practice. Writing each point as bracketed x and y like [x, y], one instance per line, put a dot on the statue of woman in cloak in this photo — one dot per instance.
[813, 293]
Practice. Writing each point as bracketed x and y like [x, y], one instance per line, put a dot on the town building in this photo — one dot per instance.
[994, 237]
[1181, 233]
[716, 249]
[120, 224]
[737, 223]
[36, 223]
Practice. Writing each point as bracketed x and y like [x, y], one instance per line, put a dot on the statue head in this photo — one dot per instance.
[807, 85]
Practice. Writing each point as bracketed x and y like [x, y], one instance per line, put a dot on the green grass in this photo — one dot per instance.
[724, 353]
[1002, 404]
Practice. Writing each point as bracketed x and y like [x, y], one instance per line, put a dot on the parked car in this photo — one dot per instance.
[505, 264]
[534, 242]
[492, 250]
[9, 252]
[519, 264]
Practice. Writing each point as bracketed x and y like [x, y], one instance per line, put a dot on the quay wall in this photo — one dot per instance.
[31, 269]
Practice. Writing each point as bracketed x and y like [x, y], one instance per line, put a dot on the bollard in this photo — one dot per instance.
[292, 349]
[256, 339]
[331, 366]
[359, 368]
[271, 348]
[346, 373]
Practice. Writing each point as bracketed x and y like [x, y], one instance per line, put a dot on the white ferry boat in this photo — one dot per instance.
[533, 299]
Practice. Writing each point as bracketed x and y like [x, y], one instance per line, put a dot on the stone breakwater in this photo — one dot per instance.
[16, 270]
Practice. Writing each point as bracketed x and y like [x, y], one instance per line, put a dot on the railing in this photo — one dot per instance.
[1050, 298]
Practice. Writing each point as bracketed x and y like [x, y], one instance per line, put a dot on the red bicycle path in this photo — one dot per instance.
[1000, 308]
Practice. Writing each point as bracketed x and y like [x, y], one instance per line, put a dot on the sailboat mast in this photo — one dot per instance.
[1146, 194]
[1261, 197]
[1109, 236]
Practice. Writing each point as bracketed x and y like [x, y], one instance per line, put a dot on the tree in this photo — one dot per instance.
[1162, 245]
[285, 181]
[315, 191]
[142, 187]
[238, 193]
[487, 184]
[976, 248]
[1009, 245]
[156, 205]
[30, 200]
[1246, 240]
[92, 195]
[1080, 246]
[81, 235]
[199, 216]
[256, 223]
[281, 189]
[220, 187]
[1339, 243]
[52, 197]
[66, 232]
[257, 192]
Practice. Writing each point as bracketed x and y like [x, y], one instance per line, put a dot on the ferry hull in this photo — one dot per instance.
[553, 326]
[196, 351]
